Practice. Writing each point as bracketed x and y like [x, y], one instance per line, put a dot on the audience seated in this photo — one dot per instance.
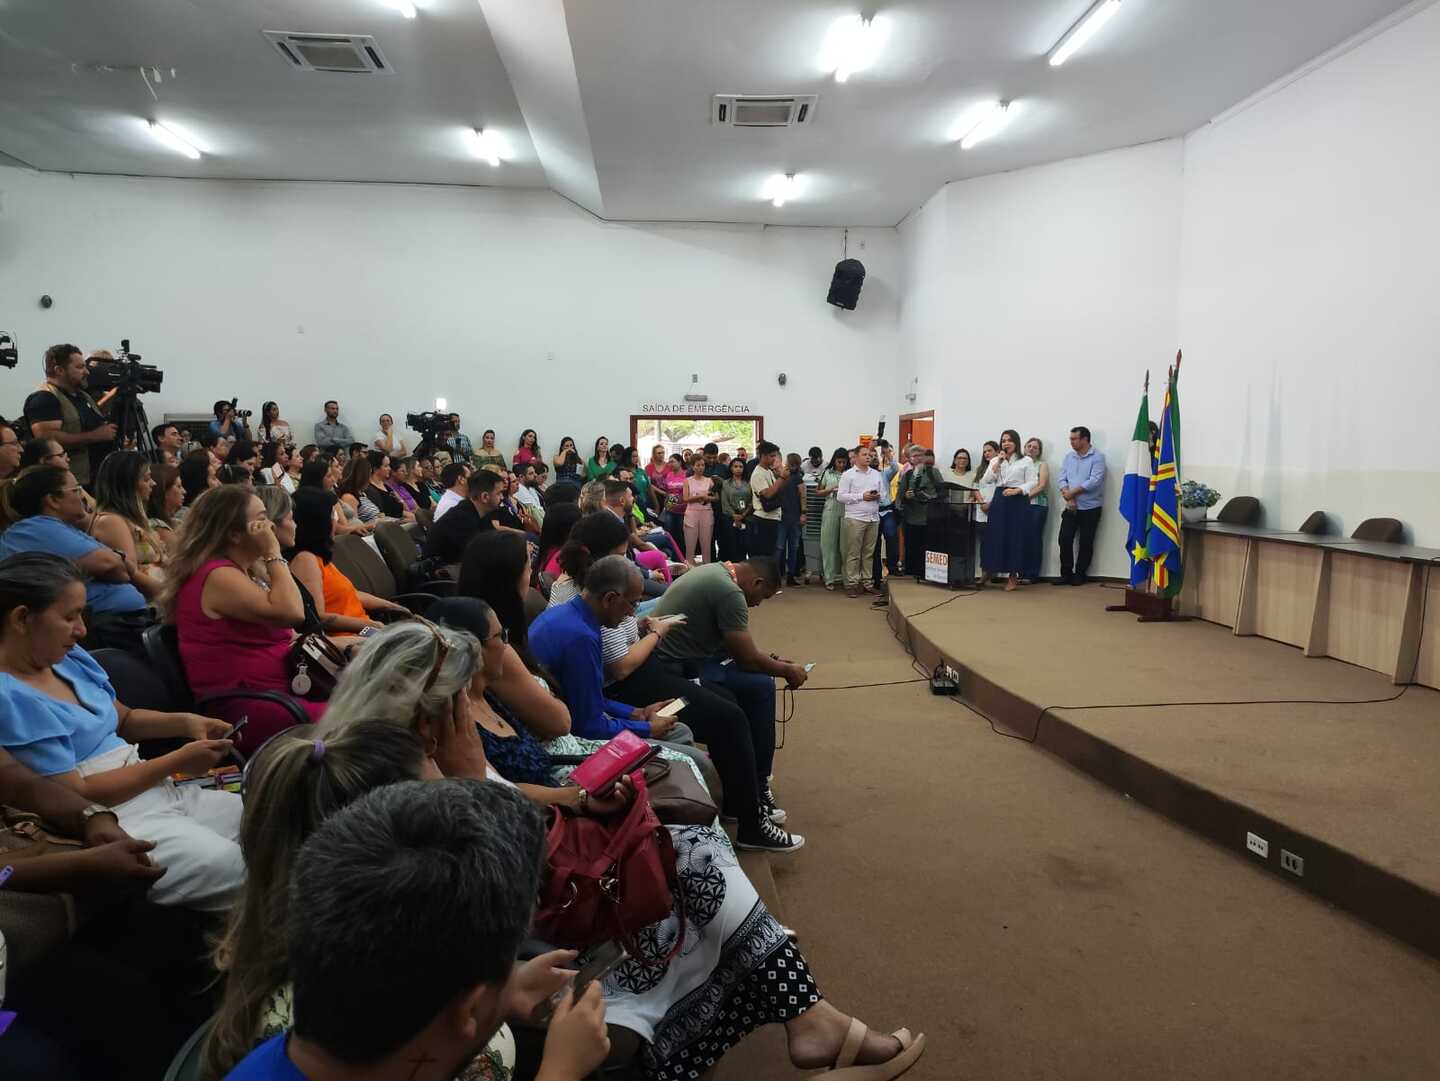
[528, 450]
[322, 472]
[355, 491]
[526, 495]
[594, 640]
[167, 496]
[380, 491]
[198, 474]
[43, 452]
[714, 645]
[168, 440]
[48, 501]
[476, 513]
[405, 485]
[432, 905]
[342, 608]
[454, 484]
[487, 455]
[685, 1011]
[235, 605]
[122, 488]
[274, 465]
[553, 534]
[59, 716]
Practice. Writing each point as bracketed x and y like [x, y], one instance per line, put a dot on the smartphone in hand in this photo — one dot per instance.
[595, 964]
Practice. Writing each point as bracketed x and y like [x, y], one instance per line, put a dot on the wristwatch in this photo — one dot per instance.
[97, 809]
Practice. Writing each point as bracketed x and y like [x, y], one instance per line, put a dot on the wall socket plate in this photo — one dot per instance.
[1292, 863]
[1258, 845]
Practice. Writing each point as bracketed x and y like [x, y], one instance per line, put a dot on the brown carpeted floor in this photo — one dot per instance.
[1034, 923]
[1360, 777]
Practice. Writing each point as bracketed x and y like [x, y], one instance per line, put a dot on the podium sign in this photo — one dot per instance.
[937, 567]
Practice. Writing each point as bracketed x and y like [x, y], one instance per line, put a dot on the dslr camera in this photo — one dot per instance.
[9, 352]
[240, 414]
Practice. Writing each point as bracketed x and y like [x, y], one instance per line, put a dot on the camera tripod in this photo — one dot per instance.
[131, 423]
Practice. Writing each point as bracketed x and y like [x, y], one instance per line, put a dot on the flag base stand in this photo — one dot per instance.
[1150, 607]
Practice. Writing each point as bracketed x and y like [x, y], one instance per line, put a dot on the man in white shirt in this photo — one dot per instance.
[859, 492]
[455, 478]
[766, 482]
[528, 494]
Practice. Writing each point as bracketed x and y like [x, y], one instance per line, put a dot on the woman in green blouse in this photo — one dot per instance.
[599, 464]
[832, 522]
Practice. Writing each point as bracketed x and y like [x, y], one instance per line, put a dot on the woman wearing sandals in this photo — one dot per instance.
[1013, 475]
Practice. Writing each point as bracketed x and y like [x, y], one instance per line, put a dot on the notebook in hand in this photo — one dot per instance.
[623, 754]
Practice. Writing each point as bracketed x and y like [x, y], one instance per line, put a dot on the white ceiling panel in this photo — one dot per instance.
[608, 101]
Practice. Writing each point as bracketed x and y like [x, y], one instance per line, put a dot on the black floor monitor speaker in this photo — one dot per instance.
[845, 285]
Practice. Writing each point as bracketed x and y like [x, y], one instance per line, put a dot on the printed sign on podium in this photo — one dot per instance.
[937, 567]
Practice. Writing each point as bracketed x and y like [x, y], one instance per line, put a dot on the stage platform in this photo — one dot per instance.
[1347, 786]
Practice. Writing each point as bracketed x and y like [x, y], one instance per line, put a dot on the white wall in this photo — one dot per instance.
[386, 297]
[1309, 286]
[1037, 299]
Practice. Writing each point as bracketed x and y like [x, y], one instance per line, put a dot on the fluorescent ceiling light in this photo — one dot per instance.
[489, 144]
[780, 189]
[174, 142]
[972, 118]
[1083, 31]
[991, 123]
[404, 7]
[852, 44]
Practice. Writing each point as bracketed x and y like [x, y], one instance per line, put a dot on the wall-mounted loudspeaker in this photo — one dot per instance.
[845, 285]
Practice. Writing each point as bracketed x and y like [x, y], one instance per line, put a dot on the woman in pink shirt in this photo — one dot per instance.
[529, 450]
[699, 497]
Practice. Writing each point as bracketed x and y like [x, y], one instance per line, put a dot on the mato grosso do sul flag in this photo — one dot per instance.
[1135, 493]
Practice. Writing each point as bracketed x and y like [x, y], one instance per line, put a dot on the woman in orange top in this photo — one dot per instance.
[343, 608]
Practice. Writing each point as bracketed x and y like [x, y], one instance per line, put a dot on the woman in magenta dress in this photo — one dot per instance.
[235, 607]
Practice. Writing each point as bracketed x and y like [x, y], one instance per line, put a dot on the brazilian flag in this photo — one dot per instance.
[1163, 543]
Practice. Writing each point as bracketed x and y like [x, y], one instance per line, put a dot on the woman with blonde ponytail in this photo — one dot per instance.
[292, 785]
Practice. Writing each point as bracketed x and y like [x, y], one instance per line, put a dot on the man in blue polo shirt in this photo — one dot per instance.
[49, 502]
[1082, 486]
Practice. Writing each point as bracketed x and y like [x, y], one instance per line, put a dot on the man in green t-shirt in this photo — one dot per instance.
[714, 645]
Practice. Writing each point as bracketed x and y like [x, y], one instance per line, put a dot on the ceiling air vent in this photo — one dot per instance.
[762, 110]
[352, 54]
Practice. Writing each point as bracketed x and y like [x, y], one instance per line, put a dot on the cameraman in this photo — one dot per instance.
[230, 427]
[62, 410]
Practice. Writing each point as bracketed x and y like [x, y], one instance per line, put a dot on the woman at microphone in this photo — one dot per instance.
[1013, 475]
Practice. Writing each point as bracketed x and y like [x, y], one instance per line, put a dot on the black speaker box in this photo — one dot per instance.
[845, 285]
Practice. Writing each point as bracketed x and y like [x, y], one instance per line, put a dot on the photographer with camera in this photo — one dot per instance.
[62, 410]
[230, 423]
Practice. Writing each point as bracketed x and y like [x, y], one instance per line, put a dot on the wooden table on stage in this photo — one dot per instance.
[1365, 602]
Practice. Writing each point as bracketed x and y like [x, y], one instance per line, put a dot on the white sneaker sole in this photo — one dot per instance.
[797, 839]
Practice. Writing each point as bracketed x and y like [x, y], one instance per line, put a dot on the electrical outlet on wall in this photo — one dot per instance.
[1292, 863]
[1258, 845]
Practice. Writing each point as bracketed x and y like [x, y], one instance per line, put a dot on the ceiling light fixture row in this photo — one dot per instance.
[780, 189]
[169, 139]
[488, 144]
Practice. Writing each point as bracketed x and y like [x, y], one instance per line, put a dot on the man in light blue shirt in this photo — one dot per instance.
[1082, 486]
[889, 520]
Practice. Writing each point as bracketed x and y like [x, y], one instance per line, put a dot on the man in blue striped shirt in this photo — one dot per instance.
[1082, 486]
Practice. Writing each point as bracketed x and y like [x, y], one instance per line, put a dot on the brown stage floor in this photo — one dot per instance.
[1034, 922]
[1358, 777]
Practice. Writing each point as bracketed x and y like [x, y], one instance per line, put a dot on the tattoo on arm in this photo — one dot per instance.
[418, 1063]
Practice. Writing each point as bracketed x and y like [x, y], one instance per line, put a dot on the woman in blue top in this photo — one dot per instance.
[49, 501]
[59, 716]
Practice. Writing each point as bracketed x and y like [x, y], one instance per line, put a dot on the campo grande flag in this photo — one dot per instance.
[1135, 496]
[1163, 543]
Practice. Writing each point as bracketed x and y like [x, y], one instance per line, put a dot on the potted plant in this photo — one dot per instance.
[1196, 499]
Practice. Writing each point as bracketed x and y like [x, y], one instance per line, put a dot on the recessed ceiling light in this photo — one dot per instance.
[174, 142]
[1083, 31]
[404, 7]
[489, 144]
[780, 189]
[852, 44]
[994, 117]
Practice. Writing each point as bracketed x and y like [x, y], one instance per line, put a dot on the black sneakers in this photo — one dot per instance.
[769, 838]
[769, 809]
